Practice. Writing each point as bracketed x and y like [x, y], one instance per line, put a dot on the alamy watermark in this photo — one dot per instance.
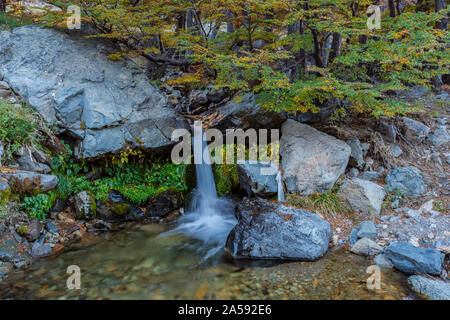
[240, 146]
[74, 20]
[374, 20]
[374, 281]
[74, 280]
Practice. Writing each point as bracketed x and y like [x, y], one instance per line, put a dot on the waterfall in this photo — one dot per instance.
[210, 218]
[280, 187]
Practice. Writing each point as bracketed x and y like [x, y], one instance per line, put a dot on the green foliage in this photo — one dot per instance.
[17, 127]
[226, 178]
[37, 206]
[262, 52]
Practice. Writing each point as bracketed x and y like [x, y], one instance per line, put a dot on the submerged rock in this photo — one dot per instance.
[102, 104]
[272, 231]
[433, 289]
[413, 260]
[406, 179]
[254, 181]
[362, 196]
[312, 161]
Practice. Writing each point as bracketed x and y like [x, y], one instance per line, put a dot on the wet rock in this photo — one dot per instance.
[163, 203]
[406, 179]
[439, 136]
[85, 205]
[414, 131]
[362, 196]
[102, 104]
[41, 250]
[312, 161]
[356, 157]
[430, 288]
[117, 209]
[414, 260]
[27, 181]
[366, 247]
[245, 114]
[254, 180]
[33, 230]
[272, 231]
[382, 261]
[396, 151]
[367, 229]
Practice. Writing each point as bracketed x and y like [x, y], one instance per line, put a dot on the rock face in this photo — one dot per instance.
[414, 260]
[366, 247]
[415, 131]
[85, 205]
[406, 179]
[100, 103]
[272, 231]
[161, 204]
[356, 158]
[312, 161]
[433, 289]
[439, 136]
[362, 196]
[254, 182]
[27, 181]
[246, 114]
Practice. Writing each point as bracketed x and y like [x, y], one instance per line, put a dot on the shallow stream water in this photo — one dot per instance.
[139, 263]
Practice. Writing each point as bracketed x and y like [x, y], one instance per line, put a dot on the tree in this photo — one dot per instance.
[294, 54]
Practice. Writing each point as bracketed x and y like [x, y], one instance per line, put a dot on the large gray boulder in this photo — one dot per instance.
[362, 196]
[312, 161]
[100, 103]
[414, 260]
[28, 181]
[268, 230]
[406, 179]
[254, 181]
[433, 289]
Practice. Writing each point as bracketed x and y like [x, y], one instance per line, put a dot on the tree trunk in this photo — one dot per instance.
[391, 8]
[230, 25]
[335, 46]
[2, 5]
[441, 4]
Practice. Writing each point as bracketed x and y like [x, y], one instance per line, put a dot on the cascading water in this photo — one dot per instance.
[210, 218]
[280, 187]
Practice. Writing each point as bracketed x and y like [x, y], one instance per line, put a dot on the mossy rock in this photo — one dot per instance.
[226, 178]
[117, 204]
[85, 205]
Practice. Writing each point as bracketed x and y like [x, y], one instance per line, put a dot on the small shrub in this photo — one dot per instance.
[37, 206]
[327, 203]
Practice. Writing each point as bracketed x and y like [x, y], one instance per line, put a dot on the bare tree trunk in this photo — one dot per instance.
[398, 8]
[230, 25]
[335, 46]
[391, 8]
[441, 4]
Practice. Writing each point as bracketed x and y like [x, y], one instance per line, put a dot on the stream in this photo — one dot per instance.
[138, 263]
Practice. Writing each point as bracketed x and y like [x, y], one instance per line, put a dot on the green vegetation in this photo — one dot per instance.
[295, 53]
[226, 178]
[8, 22]
[37, 206]
[18, 127]
[328, 203]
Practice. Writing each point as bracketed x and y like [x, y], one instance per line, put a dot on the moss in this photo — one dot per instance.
[226, 179]
[120, 209]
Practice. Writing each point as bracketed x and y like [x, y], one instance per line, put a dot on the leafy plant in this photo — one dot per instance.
[17, 128]
[37, 206]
